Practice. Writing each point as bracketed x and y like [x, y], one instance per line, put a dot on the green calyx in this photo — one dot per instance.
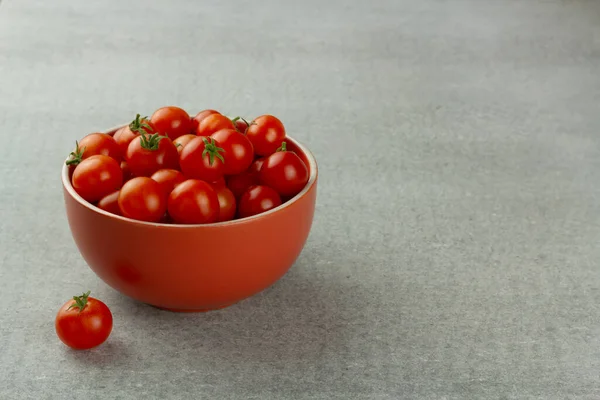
[139, 125]
[76, 156]
[247, 124]
[151, 142]
[80, 301]
[211, 149]
[283, 147]
[148, 138]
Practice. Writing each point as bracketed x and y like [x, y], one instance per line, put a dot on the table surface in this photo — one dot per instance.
[454, 252]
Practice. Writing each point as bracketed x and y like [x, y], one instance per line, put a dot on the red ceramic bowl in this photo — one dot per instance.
[193, 267]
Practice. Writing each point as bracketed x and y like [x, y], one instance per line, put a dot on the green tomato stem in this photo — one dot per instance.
[80, 301]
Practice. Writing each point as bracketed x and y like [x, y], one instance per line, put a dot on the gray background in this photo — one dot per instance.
[454, 253]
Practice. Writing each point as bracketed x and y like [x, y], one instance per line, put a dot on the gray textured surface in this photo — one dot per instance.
[455, 249]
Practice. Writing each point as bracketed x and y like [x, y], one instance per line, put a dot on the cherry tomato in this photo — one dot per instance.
[227, 204]
[241, 125]
[93, 144]
[200, 116]
[96, 177]
[201, 158]
[171, 121]
[213, 123]
[239, 183]
[258, 199]
[285, 172]
[110, 203]
[237, 148]
[125, 135]
[168, 179]
[193, 202]
[182, 141]
[150, 153]
[256, 166]
[143, 199]
[84, 322]
[266, 134]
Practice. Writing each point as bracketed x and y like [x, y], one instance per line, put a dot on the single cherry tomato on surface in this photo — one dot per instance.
[255, 167]
[266, 134]
[171, 121]
[213, 123]
[258, 199]
[194, 202]
[200, 116]
[227, 204]
[201, 159]
[84, 322]
[238, 151]
[96, 177]
[239, 183]
[241, 125]
[285, 172]
[94, 144]
[143, 199]
[125, 135]
[110, 203]
[168, 179]
[149, 153]
[182, 141]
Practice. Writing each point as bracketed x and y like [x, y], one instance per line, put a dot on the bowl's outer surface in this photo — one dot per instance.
[192, 268]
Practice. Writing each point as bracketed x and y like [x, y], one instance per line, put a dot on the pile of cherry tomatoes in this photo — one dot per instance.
[171, 168]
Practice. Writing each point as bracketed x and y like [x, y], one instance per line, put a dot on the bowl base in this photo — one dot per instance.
[192, 310]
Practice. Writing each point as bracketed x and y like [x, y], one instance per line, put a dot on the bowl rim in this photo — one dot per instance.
[313, 169]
